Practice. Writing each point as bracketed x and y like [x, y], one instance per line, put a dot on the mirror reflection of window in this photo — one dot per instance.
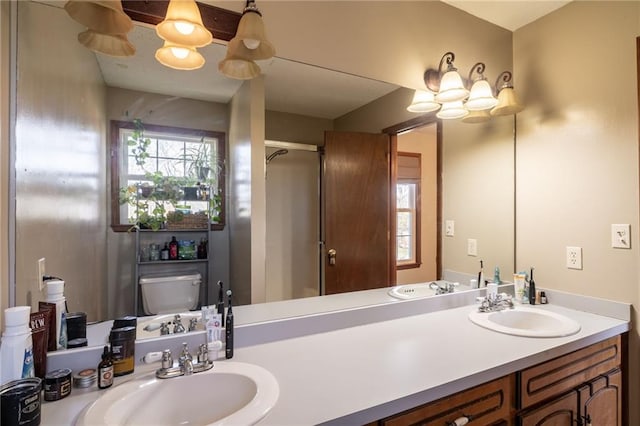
[408, 210]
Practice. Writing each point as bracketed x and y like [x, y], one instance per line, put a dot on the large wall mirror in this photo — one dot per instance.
[67, 95]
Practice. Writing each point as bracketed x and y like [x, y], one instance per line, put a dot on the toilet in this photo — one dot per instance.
[163, 294]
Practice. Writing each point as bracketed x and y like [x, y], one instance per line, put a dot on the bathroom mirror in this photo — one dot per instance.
[62, 209]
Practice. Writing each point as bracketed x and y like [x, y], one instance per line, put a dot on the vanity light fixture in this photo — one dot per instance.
[107, 26]
[182, 31]
[447, 85]
[481, 95]
[448, 94]
[249, 44]
[508, 102]
[423, 101]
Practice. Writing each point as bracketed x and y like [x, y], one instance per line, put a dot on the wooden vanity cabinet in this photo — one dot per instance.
[565, 391]
[580, 388]
[486, 404]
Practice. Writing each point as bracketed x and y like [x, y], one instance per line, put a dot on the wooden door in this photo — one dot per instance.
[601, 401]
[357, 216]
[562, 411]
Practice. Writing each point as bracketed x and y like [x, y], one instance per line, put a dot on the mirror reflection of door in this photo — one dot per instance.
[357, 200]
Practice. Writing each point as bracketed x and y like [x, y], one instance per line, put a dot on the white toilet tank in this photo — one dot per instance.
[162, 294]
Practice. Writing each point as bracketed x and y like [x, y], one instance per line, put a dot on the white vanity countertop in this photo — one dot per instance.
[359, 374]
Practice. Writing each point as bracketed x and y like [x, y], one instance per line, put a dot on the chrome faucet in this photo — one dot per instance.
[444, 289]
[499, 303]
[193, 324]
[177, 324]
[186, 364]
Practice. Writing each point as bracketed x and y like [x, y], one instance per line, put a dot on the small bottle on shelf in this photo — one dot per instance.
[105, 370]
[173, 249]
[164, 253]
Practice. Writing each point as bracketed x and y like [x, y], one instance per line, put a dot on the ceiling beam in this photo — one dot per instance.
[222, 23]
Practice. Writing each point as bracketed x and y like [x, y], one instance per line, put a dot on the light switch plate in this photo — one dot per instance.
[472, 247]
[621, 235]
[449, 228]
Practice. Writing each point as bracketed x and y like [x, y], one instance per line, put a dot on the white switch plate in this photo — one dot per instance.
[41, 273]
[621, 235]
[449, 228]
[472, 247]
[574, 257]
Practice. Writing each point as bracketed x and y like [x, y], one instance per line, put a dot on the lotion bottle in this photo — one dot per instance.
[16, 347]
[55, 294]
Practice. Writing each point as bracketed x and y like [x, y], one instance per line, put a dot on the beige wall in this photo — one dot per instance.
[425, 142]
[280, 126]
[61, 111]
[577, 153]
[477, 183]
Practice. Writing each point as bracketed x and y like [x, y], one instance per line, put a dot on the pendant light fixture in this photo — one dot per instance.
[183, 25]
[179, 57]
[249, 44]
[451, 110]
[182, 31]
[450, 87]
[107, 26]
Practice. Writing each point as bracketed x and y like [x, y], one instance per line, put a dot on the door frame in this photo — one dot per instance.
[393, 131]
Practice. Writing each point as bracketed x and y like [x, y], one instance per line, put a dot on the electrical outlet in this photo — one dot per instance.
[449, 228]
[472, 247]
[41, 273]
[574, 257]
[621, 236]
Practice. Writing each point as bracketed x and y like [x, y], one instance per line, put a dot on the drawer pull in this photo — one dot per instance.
[460, 421]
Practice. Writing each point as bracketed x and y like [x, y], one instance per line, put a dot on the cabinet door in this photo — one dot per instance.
[562, 411]
[601, 401]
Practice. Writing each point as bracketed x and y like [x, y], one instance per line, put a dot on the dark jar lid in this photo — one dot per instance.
[77, 343]
[128, 321]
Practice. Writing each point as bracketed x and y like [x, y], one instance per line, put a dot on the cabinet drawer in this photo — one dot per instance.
[564, 373]
[484, 404]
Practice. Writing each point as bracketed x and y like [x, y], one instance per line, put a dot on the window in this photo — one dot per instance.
[158, 170]
[408, 211]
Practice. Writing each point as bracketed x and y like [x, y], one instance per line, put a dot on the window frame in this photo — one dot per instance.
[417, 261]
[116, 152]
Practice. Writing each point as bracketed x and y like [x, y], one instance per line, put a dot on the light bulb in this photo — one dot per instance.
[185, 28]
[180, 52]
[251, 43]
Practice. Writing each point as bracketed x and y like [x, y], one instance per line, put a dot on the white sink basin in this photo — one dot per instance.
[525, 321]
[414, 291]
[231, 393]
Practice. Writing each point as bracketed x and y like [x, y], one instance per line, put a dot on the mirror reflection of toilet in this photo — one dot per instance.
[170, 293]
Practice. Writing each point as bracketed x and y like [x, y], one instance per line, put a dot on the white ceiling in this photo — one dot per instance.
[509, 14]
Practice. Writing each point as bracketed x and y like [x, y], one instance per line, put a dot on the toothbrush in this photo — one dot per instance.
[220, 304]
[228, 349]
[481, 275]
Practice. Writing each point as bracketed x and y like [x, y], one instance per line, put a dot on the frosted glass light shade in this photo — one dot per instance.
[183, 25]
[480, 116]
[451, 88]
[106, 17]
[481, 97]
[452, 110]
[238, 68]
[508, 103]
[109, 44]
[179, 57]
[253, 36]
[423, 101]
